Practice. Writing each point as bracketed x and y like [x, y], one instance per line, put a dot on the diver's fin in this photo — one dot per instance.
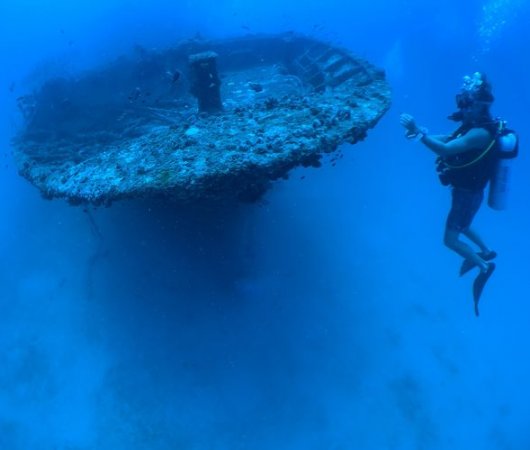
[479, 283]
[467, 264]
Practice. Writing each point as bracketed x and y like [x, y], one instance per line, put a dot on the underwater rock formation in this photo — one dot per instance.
[134, 127]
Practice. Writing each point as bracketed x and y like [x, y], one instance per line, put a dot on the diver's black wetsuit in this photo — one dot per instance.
[468, 173]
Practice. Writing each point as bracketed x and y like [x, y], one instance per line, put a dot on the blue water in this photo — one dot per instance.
[329, 317]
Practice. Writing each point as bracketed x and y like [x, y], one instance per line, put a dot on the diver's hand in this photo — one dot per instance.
[409, 123]
[413, 130]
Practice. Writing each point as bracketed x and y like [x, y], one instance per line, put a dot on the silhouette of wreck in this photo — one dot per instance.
[205, 120]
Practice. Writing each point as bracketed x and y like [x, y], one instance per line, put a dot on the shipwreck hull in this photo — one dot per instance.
[146, 125]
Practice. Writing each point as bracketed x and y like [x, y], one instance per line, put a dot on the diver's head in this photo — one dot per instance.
[474, 100]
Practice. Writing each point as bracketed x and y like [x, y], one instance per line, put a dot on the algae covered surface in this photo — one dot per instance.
[132, 129]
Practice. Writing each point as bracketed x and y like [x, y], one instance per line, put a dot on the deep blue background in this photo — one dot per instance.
[328, 317]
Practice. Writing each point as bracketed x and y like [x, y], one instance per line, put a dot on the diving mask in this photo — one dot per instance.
[475, 90]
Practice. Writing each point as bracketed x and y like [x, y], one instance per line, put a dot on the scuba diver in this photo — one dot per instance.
[466, 162]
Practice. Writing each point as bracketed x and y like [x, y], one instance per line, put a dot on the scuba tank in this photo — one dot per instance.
[507, 149]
